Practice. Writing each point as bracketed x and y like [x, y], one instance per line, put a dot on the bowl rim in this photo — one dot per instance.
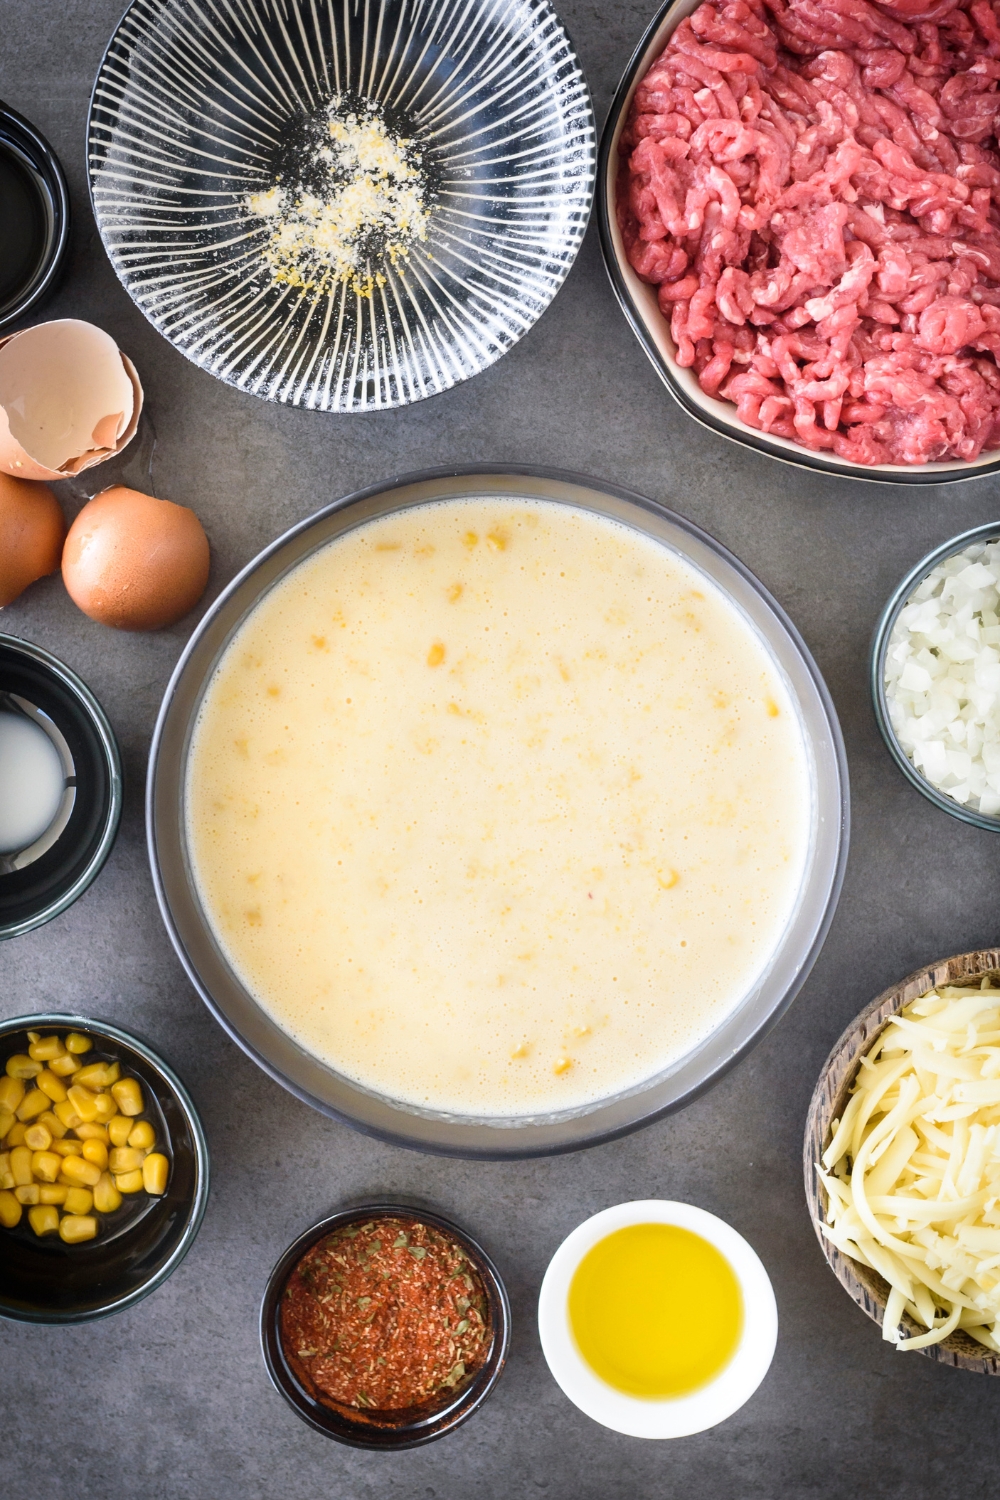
[990, 530]
[837, 1074]
[28, 139]
[669, 1417]
[582, 219]
[507, 1143]
[955, 471]
[109, 745]
[199, 1201]
[434, 1425]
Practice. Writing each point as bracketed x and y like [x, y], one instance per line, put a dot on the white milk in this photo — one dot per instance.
[497, 808]
[31, 782]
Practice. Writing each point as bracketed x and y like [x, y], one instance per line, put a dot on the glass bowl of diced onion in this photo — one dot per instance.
[935, 676]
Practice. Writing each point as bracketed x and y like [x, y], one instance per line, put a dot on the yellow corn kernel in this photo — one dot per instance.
[6, 1175]
[106, 1108]
[129, 1182]
[154, 1173]
[37, 1137]
[83, 1101]
[34, 1103]
[34, 1036]
[126, 1159]
[6, 1120]
[46, 1165]
[106, 1196]
[20, 1165]
[44, 1219]
[10, 1210]
[90, 1130]
[28, 1194]
[19, 1065]
[98, 1075]
[15, 1136]
[64, 1067]
[76, 1227]
[46, 1048]
[79, 1200]
[68, 1148]
[51, 1085]
[128, 1095]
[11, 1092]
[142, 1136]
[97, 1152]
[52, 1124]
[79, 1172]
[119, 1130]
[52, 1192]
[66, 1112]
[78, 1041]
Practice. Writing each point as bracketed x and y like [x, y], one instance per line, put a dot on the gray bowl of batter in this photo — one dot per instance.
[497, 812]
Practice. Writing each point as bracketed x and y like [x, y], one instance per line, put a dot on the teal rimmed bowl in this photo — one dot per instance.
[880, 645]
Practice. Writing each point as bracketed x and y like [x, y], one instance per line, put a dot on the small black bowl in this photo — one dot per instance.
[40, 882]
[46, 1281]
[34, 208]
[385, 1430]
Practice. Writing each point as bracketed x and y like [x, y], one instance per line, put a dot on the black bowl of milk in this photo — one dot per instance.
[60, 786]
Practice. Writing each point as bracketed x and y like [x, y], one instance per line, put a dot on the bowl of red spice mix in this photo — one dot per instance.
[799, 208]
[385, 1326]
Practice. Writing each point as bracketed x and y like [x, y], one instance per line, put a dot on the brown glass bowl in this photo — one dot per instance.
[829, 1101]
[386, 1429]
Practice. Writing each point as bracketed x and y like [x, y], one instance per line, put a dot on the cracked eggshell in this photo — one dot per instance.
[69, 399]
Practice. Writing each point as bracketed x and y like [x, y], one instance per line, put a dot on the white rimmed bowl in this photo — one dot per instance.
[638, 302]
[677, 1416]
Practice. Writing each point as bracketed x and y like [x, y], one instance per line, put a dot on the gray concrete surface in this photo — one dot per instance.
[172, 1400]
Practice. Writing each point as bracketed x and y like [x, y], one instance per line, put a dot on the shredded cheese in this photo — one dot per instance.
[370, 208]
[912, 1171]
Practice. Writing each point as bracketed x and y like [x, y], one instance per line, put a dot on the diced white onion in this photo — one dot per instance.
[942, 677]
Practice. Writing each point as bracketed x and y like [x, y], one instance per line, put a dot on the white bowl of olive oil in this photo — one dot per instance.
[657, 1319]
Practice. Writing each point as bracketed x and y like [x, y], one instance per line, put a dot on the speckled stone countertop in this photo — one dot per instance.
[171, 1399]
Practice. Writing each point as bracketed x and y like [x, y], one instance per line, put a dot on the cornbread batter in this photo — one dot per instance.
[497, 807]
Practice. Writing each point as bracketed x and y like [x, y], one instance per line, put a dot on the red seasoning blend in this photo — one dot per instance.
[385, 1315]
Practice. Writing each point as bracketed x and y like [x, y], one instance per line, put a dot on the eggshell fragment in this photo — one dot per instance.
[69, 399]
[31, 535]
[134, 562]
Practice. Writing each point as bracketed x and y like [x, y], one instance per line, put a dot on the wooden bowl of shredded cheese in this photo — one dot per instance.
[902, 1161]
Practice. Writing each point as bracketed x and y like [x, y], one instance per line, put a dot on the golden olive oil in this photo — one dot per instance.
[656, 1310]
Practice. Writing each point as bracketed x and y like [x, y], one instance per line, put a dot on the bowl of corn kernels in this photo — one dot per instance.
[103, 1169]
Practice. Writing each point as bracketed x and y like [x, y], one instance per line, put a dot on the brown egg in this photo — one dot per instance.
[31, 535]
[134, 562]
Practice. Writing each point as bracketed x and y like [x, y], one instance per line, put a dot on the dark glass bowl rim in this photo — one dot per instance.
[959, 473]
[109, 745]
[428, 1429]
[45, 161]
[196, 1211]
[880, 644]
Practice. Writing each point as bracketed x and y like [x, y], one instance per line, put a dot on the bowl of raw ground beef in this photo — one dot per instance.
[799, 206]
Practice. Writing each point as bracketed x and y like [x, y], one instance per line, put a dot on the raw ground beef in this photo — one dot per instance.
[814, 189]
